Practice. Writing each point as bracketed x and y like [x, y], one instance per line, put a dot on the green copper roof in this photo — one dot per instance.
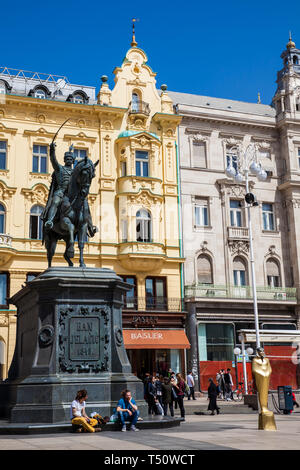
[130, 133]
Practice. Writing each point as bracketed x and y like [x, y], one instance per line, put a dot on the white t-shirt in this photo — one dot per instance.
[79, 407]
[190, 380]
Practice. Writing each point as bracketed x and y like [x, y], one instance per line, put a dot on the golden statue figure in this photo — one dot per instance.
[262, 370]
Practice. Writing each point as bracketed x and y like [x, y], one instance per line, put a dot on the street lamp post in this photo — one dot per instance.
[246, 162]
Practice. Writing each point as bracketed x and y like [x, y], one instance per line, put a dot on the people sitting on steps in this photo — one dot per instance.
[127, 410]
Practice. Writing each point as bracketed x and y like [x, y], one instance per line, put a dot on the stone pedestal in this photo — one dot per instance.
[69, 337]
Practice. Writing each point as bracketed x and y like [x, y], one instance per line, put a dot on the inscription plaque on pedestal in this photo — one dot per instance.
[84, 339]
[84, 342]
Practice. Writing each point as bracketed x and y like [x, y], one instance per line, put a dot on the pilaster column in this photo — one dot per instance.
[192, 334]
[141, 292]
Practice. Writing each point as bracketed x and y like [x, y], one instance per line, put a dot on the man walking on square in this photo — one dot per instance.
[191, 384]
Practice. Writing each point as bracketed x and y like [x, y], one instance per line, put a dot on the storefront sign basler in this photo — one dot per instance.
[147, 335]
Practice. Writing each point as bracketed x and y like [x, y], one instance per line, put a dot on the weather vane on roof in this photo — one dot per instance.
[134, 43]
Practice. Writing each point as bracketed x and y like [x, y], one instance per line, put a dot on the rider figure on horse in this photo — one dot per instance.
[59, 186]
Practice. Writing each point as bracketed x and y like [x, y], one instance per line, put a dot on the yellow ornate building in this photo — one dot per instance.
[134, 198]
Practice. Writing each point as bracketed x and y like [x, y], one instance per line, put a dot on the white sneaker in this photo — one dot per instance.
[124, 428]
[133, 428]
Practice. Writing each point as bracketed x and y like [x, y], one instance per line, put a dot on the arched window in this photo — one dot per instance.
[273, 273]
[135, 102]
[2, 218]
[36, 223]
[295, 60]
[204, 270]
[239, 272]
[143, 226]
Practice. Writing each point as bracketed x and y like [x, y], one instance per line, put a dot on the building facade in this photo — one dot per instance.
[134, 198]
[215, 227]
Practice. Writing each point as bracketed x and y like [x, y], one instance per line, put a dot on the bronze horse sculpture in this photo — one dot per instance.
[73, 216]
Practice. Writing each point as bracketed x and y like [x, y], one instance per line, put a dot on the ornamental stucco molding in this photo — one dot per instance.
[4, 129]
[238, 247]
[6, 192]
[293, 202]
[36, 195]
[144, 199]
[230, 189]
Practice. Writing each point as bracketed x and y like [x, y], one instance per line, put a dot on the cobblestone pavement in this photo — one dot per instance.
[219, 432]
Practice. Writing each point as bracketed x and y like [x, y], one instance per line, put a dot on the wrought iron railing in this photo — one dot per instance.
[241, 292]
[139, 107]
[154, 303]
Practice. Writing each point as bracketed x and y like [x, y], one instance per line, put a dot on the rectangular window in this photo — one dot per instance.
[141, 163]
[231, 160]
[201, 212]
[199, 154]
[156, 293]
[3, 289]
[39, 159]
[79, 154]
[273, 281]
[239, 278]
[219, 342]
[130, 298]
[236, 214]
[3, 151]
[268, 216]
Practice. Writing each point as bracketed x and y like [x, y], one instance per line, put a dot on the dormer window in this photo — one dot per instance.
[39, 93]
[78, 97]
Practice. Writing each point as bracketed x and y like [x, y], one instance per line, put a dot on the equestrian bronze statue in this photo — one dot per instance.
[67, 213]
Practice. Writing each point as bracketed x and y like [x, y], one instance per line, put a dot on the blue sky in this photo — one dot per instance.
[223, 49]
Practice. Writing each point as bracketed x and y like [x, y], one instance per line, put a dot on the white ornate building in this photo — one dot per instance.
[214, 223]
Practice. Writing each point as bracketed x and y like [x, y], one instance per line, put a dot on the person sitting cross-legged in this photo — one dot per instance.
[79, 418]
[127, 410]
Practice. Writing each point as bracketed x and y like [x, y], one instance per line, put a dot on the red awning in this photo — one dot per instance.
[155, 339]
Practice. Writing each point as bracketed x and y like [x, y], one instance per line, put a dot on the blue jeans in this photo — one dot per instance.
[124, 416]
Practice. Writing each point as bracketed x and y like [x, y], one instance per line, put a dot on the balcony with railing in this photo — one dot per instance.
[139, 107]
[5, 240]
[210, 291]
[165, 304]
[238, 233]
